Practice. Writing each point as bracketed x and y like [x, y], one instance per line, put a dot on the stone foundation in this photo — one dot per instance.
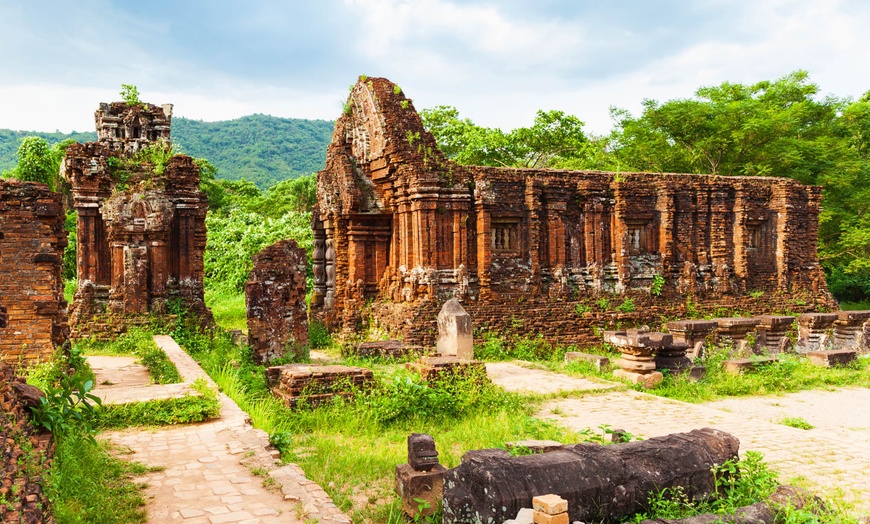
[33, 312]
[295, 383]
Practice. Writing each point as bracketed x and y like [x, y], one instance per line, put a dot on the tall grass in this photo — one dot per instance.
[86, 484]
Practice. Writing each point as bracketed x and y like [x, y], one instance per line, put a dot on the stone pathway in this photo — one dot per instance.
[222, 471]
[519, 377]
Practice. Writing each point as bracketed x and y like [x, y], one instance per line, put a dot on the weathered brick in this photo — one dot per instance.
[141, 234]
[530, 250]
[33, 319]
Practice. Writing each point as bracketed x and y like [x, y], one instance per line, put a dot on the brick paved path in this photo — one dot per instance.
[827, 460]
[222, 471]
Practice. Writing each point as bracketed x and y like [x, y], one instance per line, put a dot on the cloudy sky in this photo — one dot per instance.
[496, 61]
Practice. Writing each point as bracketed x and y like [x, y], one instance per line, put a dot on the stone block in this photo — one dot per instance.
[427, 486]
[524, 516]
[600, 362]
[833, 358]
[647, 380]
[550, 504]
[535, 446]
[455, 333]
[739, 365]
[543, 518]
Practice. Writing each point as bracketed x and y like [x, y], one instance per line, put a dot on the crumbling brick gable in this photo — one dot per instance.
[141, 234]
[397, 221]
[33, 318]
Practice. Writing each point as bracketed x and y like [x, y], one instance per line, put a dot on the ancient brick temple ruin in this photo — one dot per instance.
[33, 321]
[141, 221]
[400, 224]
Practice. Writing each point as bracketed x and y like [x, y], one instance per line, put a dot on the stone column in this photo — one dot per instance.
[693, 333]
[319, 265]
[455, 331]
[734, 330]
[638, 348]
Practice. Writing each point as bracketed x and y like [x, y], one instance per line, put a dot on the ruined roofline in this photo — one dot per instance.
[390, 121]
[630, 176]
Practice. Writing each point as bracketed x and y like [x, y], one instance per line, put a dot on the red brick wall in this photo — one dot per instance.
[32, 239]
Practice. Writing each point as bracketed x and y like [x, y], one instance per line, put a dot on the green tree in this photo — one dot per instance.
[554, 137]
[768, 128]
[779, 128]
[39, 162]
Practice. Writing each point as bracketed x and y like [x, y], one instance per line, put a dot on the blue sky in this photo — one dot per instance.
[497, 62]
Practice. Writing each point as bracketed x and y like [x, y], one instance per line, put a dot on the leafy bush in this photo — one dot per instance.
[66, 408]
[318, 335]
[849, 287]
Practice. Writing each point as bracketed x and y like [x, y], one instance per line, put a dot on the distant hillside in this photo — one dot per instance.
[261, 148]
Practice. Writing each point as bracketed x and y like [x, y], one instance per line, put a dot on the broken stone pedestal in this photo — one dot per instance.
[772, 331]
[600, 483]
[849, 330]
[421, 479]
[739, 365]
[638, 348]
[598, 361]
[313, 384]
[812, 328]
[694, 333]
[736, 330]
[439, 368]
[673, 357]
[382, 349]
[832, 358]
[455, 332]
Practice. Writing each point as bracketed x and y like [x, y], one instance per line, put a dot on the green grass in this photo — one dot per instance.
[228, 309]
[183, 410]
[790, 374]
[796, 422]
[86, 484]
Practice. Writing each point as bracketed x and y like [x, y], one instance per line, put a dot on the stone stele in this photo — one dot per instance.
[454, 331]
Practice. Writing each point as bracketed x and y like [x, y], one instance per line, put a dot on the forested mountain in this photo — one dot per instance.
[260, 148]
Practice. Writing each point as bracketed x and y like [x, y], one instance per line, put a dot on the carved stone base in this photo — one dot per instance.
[427, 486]
[647, 380]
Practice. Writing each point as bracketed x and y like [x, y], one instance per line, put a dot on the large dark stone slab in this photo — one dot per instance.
[599, 482]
